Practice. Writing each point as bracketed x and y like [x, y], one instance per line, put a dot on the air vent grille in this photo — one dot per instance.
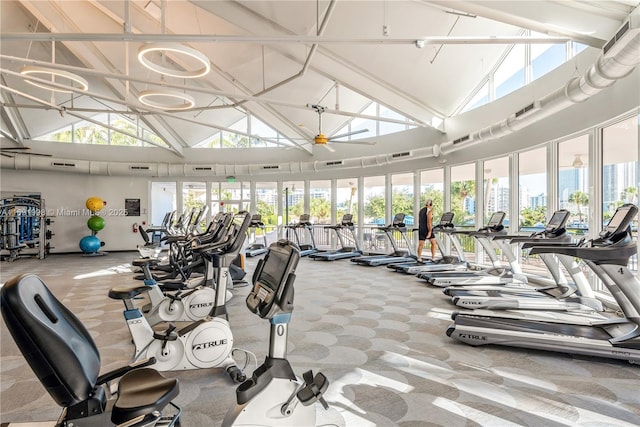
[399, 155]
[63, 165]
[525, 109]
[271, 167]
[461, 139]
[621, 32]
[202, 168]
[336, 163]
[139, 168]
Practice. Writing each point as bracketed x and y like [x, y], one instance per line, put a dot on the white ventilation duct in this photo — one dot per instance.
[619, 57]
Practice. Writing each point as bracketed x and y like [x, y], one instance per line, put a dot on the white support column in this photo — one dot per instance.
[552, 177]
[480, 220]
[280, 209]
[360, 213]
[388, 199]
[307, 197]
[594, 189]
[334, 201]
[253, 203]
[514, 199]
[417, 197]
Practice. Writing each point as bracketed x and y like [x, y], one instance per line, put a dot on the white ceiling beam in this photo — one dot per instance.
[493, 13]
[266, 40]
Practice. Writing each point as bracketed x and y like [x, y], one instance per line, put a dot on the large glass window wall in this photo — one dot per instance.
[347, 198]
[532, 189]
[620, 170]
[463, 204]
[496, 187]
[402, 199]
[293, 201]
[374, 199]
[432, 187]
[266, 204]
[194, 200]
[573, 182]
[320, 202]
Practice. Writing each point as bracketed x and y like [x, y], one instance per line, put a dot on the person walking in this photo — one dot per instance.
[425, 229]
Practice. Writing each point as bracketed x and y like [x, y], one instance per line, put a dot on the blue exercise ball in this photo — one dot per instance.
[90, 244]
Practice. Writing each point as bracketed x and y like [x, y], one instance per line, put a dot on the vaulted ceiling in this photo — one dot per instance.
[270, 59]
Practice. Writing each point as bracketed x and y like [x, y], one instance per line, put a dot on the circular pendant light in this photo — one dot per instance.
[80, 83]
[166, 99]
[177, 48]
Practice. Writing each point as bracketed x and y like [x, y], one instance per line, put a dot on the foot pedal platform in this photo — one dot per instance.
[315, 387]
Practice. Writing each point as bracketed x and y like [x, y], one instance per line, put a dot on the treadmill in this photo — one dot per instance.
[256, 248]
[397, 255]
[491, 275]
[345, 251]
[615, 337]
[561, 295]
[445, 226]
[304, 224]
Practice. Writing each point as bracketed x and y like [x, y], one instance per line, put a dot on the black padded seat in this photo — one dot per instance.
[141, 392]
[127, 291]
[66, 360]
[141, 262]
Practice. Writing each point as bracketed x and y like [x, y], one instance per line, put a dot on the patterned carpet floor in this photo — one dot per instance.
[379, 336]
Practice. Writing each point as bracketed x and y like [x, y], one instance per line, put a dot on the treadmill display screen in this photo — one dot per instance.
[446, 219]
[617, 220]
[398, 219]
[496, 219]
[558, 219]
[347, 218]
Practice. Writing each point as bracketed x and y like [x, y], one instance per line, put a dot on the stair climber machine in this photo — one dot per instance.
[257, 248]
[195, 300]
[304, 224]
[559, 295]
[205, 343]
[496, 274]
[345, 251]
[615, 337]
[414, 267]
[397, 255]
[274, 395]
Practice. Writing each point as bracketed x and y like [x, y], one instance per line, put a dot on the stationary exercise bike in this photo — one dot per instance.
[66, 360]
[274, 395]
[206, 343]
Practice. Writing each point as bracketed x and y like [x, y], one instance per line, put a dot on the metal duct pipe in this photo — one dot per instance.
[608, 68]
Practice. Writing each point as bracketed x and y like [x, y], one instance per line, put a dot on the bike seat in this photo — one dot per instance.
[142, 391]
[141, 262]
[127, 291]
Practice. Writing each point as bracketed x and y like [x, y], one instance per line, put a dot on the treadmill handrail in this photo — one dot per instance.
[601, 251]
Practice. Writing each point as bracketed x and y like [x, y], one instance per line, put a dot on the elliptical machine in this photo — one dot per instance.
[195, 300]
[274, 395]
[206, 343]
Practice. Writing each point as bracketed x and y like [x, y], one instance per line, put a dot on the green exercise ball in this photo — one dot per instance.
[95, 223]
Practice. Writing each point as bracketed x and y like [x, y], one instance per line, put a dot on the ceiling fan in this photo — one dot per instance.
[321, 139]
[13, 151]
